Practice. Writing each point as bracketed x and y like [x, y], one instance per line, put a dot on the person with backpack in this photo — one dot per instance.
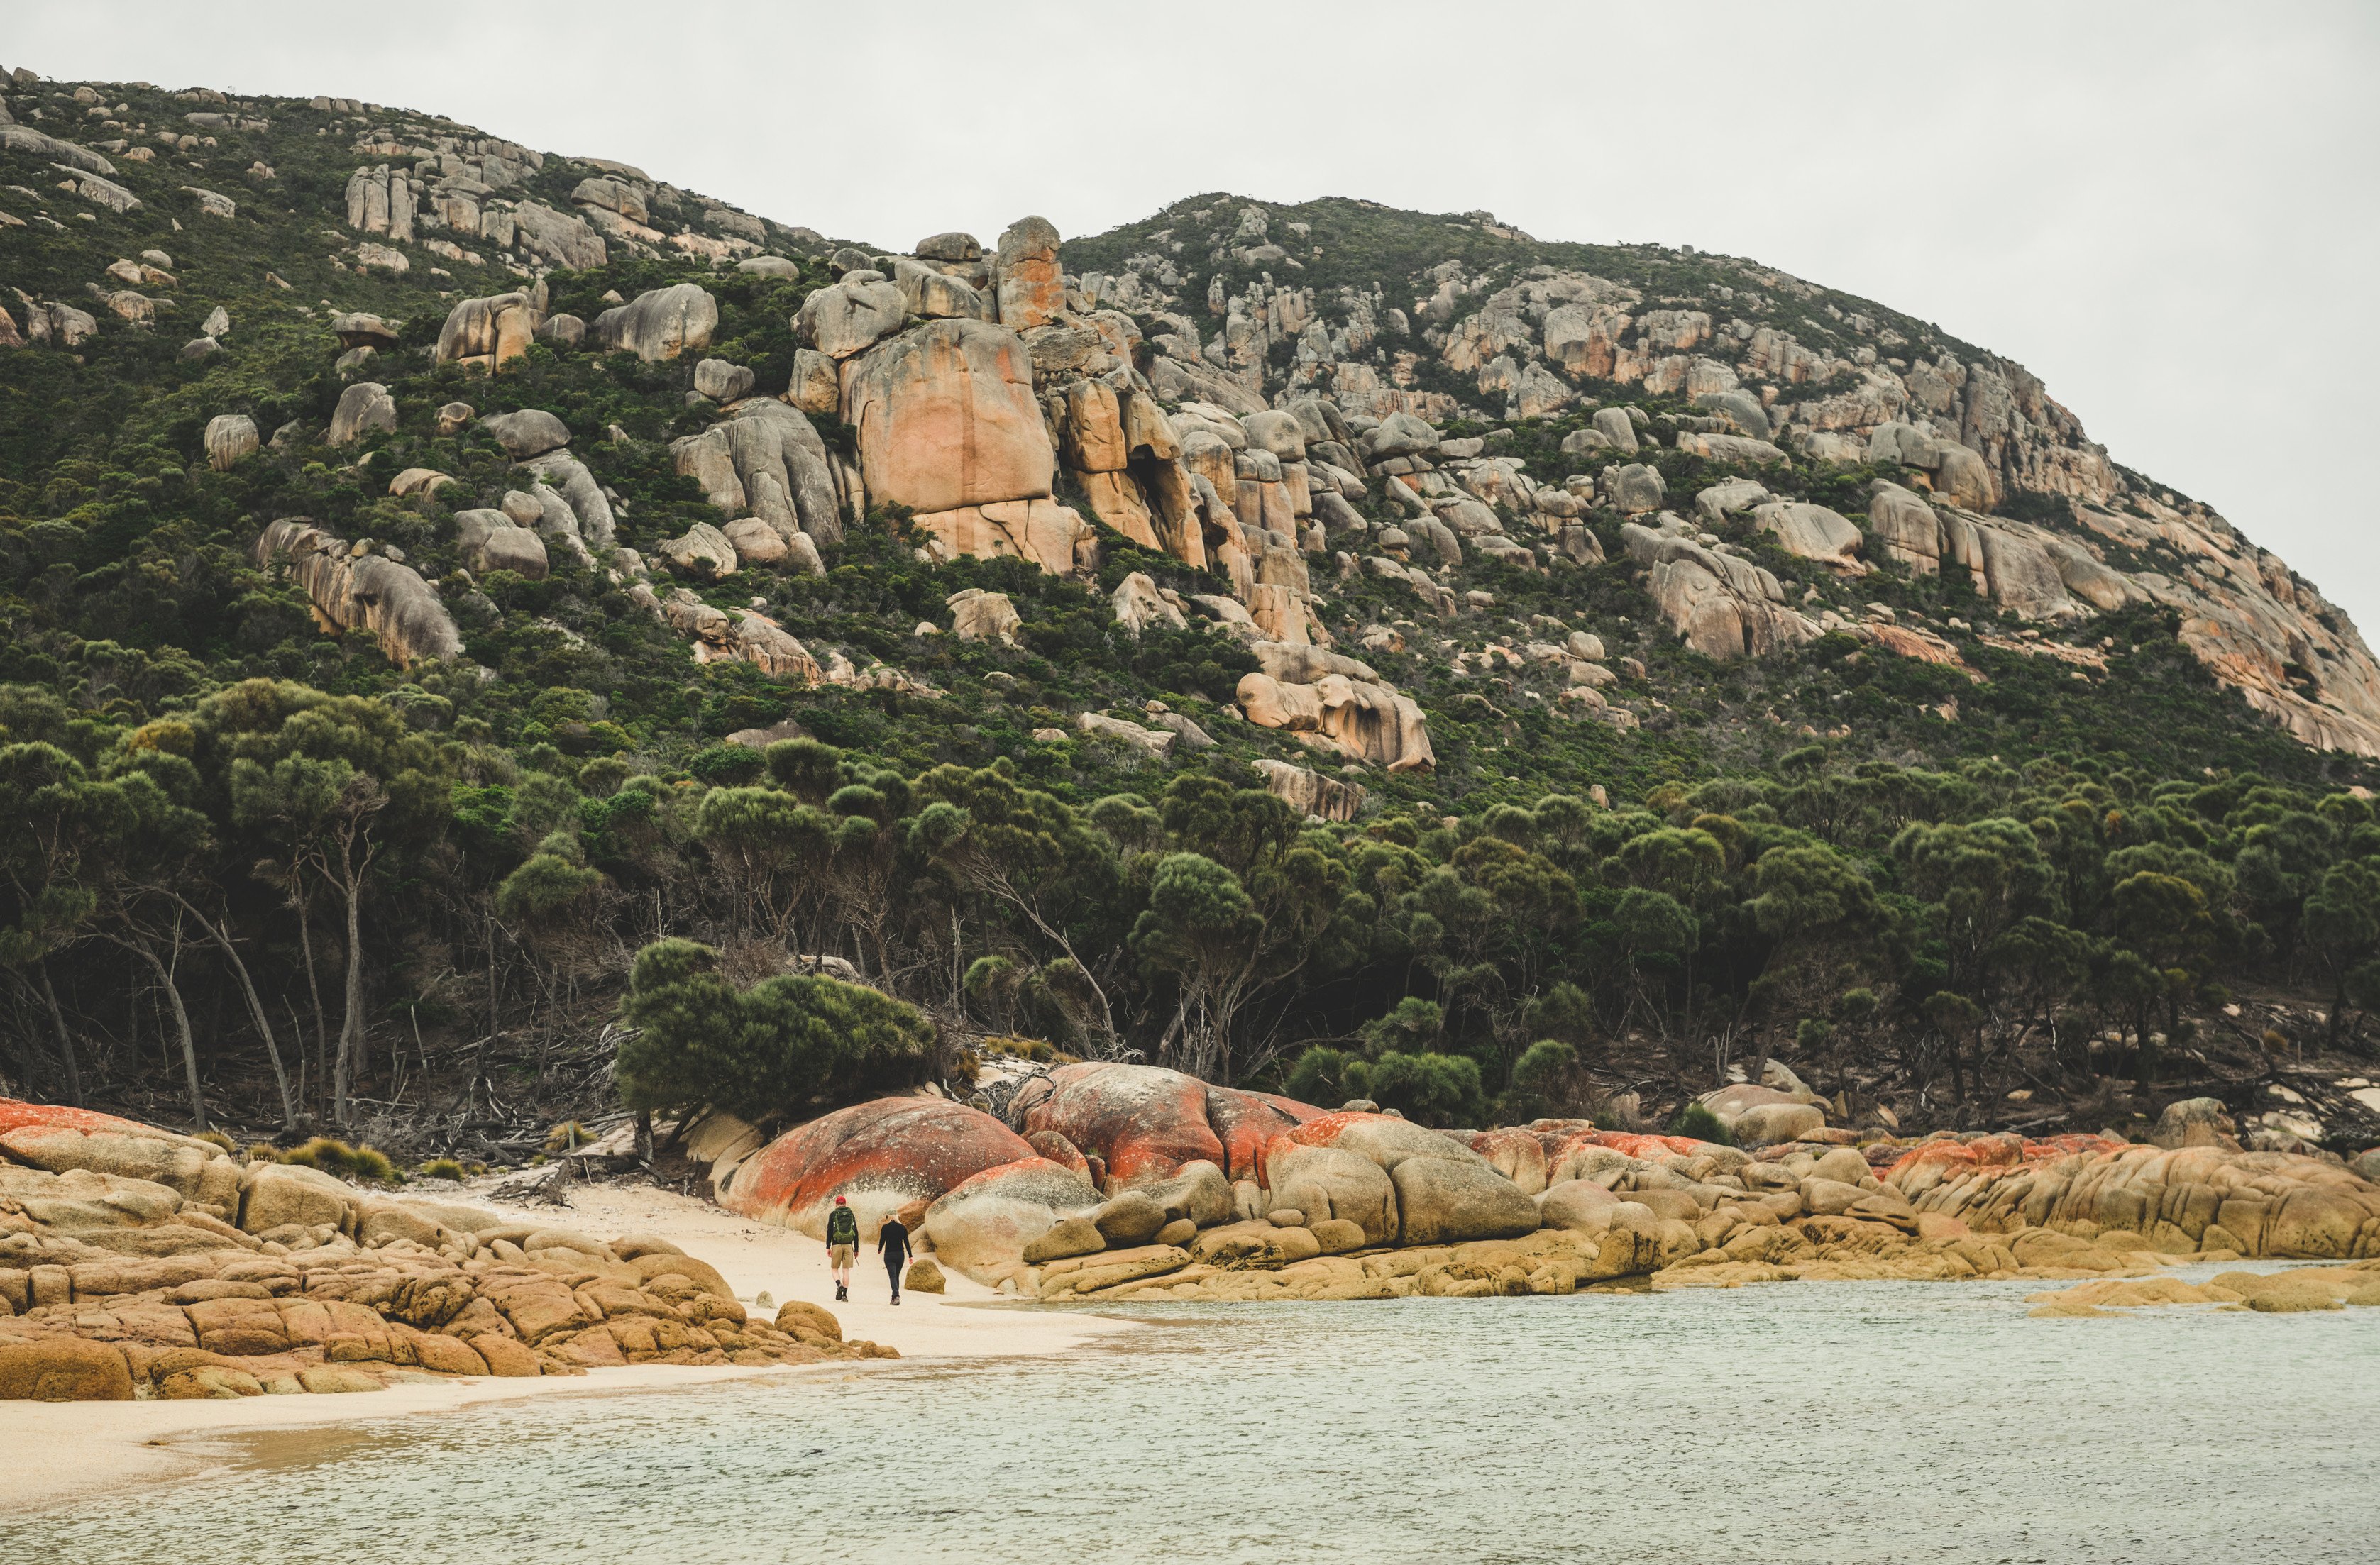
[842, 1244]
[892, 1244]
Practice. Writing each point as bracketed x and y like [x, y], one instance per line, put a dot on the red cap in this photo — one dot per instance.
[838, 1200]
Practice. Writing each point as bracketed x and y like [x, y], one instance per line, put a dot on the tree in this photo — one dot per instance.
[774, 850]
[788, 1043]
[1228, 952]
[1027, 851]
[59, 822]
[1986, 875]
[2342, 923]
[1826, 920]
[331, 786]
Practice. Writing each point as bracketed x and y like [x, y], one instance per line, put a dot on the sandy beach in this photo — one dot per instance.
[61, 1451]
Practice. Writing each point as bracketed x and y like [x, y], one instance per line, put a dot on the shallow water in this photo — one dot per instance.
[1848, 1421]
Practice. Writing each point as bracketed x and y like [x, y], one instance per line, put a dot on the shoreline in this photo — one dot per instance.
[66, 1452]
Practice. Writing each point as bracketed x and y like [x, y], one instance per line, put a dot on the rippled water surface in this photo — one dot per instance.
[1842, 1421]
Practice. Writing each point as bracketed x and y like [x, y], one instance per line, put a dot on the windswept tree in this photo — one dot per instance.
[789, 1044]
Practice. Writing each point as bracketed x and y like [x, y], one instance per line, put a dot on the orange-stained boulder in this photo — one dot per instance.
[1518, 1155]
[982, 1225]
[16, 1114]
[58, 1139]
[1028, 284]
[1054, 1146]
[1142, 1121]
[1248, 1123]
[947, 418]
[879, 1155]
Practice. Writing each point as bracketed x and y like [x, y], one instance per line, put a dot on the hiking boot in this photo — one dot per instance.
[840, 1293]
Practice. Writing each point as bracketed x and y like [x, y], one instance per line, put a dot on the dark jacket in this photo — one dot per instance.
[892, 1241]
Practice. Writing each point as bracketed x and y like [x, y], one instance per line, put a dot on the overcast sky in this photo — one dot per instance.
[2166, 209]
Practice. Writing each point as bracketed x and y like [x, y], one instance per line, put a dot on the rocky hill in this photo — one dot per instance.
[567, 472]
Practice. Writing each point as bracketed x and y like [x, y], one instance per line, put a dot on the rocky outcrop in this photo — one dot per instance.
[1809, 532]
[1139, 603]
[135, 1263]
[382, 202]
[1719, 604]
[737, 635]
[1029, 289]
[982, 1224]
[363, 407]
[489, 332]
[1052, 536]
[492, 541]
[850, 316]
[879, 1156]
[1335, 703]
[947, 419]
[363, 592]
[229, 437]
[1313, 794]
[660, 323]
[532, 431]
[978, 615]
[2179, 1200]
[766, 460]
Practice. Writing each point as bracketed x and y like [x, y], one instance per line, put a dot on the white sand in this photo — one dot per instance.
[57, 1451]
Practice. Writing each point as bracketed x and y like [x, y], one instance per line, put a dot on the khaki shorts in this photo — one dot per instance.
[840, 1254]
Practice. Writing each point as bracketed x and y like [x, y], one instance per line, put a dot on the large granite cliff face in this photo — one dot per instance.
[1765, 371]
[1283, 396]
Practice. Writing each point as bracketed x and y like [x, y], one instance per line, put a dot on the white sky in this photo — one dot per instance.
[2164, 210]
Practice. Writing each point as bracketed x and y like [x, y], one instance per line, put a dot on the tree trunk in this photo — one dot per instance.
[351, 1029]
[313, 986]
[66, 1039]
[139, 944]
[221, 935]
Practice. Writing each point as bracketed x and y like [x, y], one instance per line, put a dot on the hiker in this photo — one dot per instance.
[892, 1244]
[842, 1243]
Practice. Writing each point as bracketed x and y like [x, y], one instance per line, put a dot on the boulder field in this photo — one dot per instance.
[136, 1263]
[1117, 1181]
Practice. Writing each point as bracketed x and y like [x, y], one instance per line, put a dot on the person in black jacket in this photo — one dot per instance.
[892, 1244]
[842, 1244]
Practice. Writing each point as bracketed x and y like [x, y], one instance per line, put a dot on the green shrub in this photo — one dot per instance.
[1697, 1120]
[335, 1156]
[727, 765]
[441, 1168]
[1429, 1088]
[567, 1136]
[1545, 1081]
[1327, 1077]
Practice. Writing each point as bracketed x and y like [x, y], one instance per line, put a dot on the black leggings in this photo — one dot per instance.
[892, 1265]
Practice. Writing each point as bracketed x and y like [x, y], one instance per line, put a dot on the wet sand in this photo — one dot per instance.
[58, 1451]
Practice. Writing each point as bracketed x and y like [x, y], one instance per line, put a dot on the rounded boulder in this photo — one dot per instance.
[1442, 1201]
[982, 1225]
[879, 1156]
[1142, 1122]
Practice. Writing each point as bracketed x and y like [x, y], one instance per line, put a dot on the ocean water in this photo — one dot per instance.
[1842, 1421]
